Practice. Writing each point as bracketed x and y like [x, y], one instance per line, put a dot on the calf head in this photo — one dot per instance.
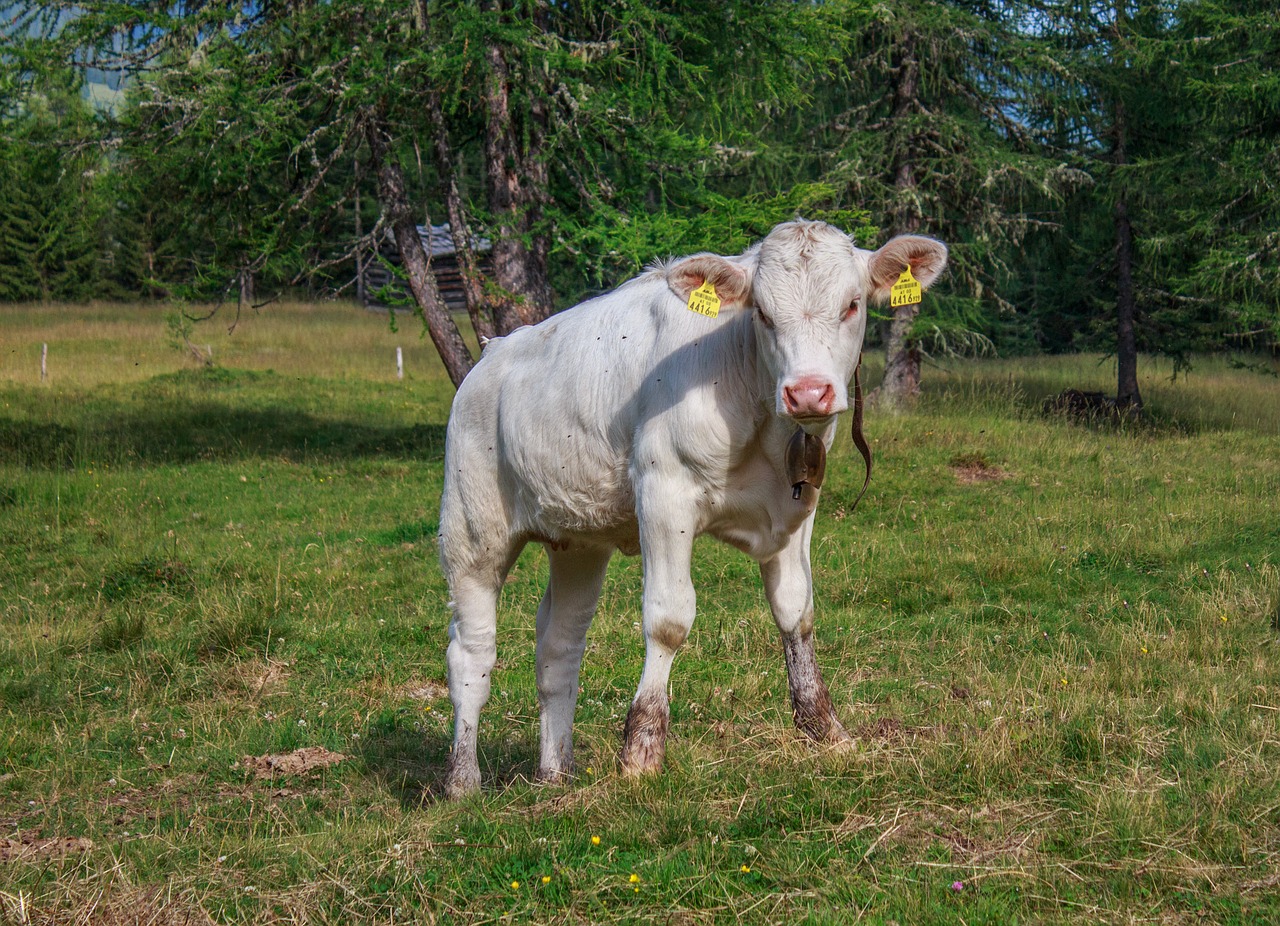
[808, 287]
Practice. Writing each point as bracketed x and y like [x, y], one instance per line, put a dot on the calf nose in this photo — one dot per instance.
[809, 397]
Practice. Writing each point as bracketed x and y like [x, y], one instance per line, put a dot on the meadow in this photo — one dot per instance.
[222, 692]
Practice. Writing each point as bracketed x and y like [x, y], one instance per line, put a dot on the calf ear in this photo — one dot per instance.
[926, 257]
[731, 280]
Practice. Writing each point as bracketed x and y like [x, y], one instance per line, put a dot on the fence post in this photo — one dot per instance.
[399, 363]
[44, 362]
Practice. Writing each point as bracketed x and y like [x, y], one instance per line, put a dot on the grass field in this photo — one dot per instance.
[1057, 646]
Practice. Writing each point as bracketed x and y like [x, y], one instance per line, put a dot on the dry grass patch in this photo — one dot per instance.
[892, 729]
[29, 846]
[114, 906]
[424, 690]
[298, 762]
[258, 678]
[1006, 829]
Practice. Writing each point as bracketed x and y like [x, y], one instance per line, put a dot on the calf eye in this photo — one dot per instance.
[851, 311]
[765, 319]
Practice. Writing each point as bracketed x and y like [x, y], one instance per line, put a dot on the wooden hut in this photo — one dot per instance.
[437, 241]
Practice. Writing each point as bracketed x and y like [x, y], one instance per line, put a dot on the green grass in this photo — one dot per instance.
[1063, 670]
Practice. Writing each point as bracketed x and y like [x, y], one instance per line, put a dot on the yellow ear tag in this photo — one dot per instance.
[906, 291]
[704, 300]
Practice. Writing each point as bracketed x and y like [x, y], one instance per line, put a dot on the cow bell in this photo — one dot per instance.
[806, 462]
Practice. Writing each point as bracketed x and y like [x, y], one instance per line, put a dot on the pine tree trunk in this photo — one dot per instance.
[539, 189]
[519, 259]
[394, 200]
[1127, 395]
[901, 384]
[359, 249]
[246, 290]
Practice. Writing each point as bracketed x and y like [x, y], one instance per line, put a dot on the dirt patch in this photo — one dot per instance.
[424, 690]
[271, 679]
[969, 472]
[30, 846]
[976, 847]
[258, 678]
[298, 762]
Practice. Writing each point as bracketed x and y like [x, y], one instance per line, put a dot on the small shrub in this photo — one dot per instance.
[1081, 743]
[121, 632]
[127, 580]
[248, 627]
[17, 691]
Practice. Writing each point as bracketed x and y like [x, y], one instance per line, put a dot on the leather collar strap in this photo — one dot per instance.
[859, 440]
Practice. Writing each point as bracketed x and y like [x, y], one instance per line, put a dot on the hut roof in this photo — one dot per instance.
[438, 241]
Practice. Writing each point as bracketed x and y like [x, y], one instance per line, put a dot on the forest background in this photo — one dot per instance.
[1105, 173]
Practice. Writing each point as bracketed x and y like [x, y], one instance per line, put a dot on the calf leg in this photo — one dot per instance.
[470, 657]
[666, 545]
[563, 618]
[788, 584]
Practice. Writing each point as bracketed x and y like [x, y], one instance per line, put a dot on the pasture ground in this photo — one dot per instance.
[1057, 646]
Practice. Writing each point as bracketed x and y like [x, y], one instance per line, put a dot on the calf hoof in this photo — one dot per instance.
[641, 761]
[461, 780]
[456, 789]
[824, 729]
[644, 739]
[837, 737]
[553, 775]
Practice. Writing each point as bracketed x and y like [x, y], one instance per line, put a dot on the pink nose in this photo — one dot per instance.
[809, 397]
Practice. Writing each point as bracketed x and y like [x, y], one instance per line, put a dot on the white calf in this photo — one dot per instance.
[631, 423]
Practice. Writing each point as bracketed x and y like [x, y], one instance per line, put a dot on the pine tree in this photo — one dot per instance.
[19, 225]
[1105, 106]
[932, 141]
[53, 214]
[1214, 246]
